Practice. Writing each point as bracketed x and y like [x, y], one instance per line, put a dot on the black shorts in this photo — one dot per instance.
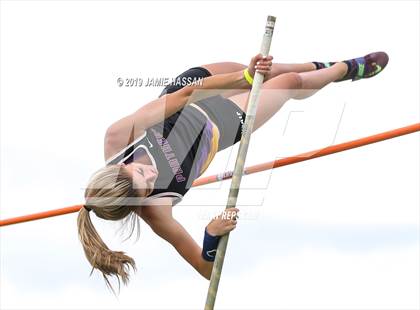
[227, 116]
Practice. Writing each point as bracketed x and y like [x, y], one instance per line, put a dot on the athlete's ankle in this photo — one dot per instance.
[322, 65]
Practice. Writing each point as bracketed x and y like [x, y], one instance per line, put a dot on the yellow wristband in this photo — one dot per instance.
[248, 77]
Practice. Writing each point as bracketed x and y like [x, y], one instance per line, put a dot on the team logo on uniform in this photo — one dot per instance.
[242, 122]
[212, 253]
[240, 117]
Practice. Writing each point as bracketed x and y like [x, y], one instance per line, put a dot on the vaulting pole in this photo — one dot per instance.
[240, 164]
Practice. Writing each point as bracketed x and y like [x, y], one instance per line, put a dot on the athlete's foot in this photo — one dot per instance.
[365, 67]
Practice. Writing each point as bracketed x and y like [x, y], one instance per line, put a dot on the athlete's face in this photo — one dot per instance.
[144, 177]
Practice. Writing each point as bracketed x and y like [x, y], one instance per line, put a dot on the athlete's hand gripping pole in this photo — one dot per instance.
[239, 164]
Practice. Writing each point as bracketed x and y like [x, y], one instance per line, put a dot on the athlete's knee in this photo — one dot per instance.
[293, 80]
[295, 85]
[289, 80]
[287, 84]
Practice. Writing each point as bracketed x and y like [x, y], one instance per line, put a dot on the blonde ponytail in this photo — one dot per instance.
[106, 195]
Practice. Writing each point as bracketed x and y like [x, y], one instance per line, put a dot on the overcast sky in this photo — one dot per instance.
[338, 232]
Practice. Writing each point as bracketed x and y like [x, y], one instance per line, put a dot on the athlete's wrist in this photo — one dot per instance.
[248, 77]
[210, 243]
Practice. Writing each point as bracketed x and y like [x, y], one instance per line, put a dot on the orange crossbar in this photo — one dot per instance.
[249, 170]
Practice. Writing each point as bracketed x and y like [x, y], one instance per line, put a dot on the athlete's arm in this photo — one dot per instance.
[127, 129]
[160, 219]
[173, 232]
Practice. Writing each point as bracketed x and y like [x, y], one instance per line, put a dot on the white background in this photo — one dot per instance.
[339, 232]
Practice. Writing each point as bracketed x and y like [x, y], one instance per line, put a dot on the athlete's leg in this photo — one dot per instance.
[276, 91]
[276, 69]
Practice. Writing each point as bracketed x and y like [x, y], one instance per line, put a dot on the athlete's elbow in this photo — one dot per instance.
[110, 137]
[207, 276]
[113, 142]
[205, 268]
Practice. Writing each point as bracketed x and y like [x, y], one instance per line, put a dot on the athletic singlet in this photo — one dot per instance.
[180, 148]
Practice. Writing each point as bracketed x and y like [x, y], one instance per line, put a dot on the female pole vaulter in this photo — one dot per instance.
[154, 154]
